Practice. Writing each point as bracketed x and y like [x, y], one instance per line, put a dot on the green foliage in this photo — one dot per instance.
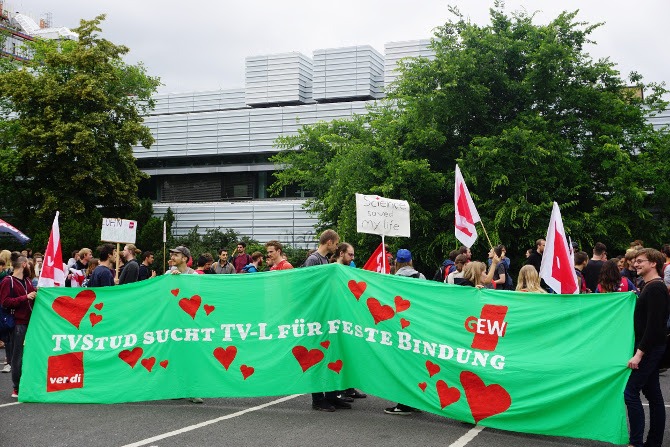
[78, 112]
[529, 117]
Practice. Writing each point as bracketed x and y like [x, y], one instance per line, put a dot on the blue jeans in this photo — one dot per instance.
[645, 379]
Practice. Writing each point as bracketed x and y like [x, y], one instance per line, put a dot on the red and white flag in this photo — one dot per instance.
[466, 213]
[52, 274]
[374, 264]
[557, 269]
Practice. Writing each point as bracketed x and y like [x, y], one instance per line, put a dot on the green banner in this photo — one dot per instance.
[545, 364]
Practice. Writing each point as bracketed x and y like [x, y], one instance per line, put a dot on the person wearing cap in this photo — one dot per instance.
[404, 267]
[180, 257]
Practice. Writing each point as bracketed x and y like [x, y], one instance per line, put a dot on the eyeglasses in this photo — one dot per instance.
[640, 261]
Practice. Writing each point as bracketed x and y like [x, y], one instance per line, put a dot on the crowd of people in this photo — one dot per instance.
[644, 271]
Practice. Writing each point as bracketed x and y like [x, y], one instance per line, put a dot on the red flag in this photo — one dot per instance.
[52, 274]
[556, 268]
[466, 213]
[374, 264]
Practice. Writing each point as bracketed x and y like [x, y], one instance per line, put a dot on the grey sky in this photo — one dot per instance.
[201, 45]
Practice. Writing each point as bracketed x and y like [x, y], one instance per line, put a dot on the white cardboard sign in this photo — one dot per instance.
[118, 230]
[378, 215]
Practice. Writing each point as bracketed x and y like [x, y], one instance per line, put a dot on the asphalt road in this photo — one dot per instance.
[272, 421]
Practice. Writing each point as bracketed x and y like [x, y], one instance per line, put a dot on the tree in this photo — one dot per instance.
[529, 117]
[78, 112]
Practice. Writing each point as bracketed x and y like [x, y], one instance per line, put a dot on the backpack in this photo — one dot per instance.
[7, 315]
[509, 281]
[249, 268]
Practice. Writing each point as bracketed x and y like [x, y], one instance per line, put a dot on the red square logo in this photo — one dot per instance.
[131, 225]
[65, 372]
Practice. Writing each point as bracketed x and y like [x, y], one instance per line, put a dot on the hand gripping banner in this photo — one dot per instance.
[545, 364]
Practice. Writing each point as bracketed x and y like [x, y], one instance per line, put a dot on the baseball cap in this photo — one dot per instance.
[183, 250]
[403, 255]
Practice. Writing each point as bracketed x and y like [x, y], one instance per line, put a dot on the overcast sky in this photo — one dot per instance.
[201, 44]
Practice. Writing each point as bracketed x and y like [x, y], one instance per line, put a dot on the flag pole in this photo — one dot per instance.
[383, 256]
[486, 234]
[164, 242]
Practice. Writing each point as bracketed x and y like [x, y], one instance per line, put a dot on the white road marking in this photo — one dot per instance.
[211, 421]
[7, 405]
[466, 438]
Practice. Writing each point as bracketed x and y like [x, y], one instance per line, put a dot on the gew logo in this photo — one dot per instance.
[65, 372]
[488, 328]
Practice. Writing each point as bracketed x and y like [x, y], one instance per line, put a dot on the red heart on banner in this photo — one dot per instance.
[95, 318]
[148, 363]
[225, 356]
[325, 344]
[208, 309]
[404, 323]
[335, 366]
[484, 401]
[379, 312]
[246, 371]
[74, 309]
[99, 306]
[423, 386]
[175, 292]
[432, 368]
[401, 304]
[131, 357]
[306, 358]
[357, 288]
[164, 364]
[447, 395]
[190, 305]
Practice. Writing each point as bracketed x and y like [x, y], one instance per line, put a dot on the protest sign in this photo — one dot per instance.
[118, 230]
[378, 215]
[534, 363]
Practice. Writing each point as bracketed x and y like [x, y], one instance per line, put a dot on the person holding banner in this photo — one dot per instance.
[330, 400]
[18, 293]
[180, 256]
[650, 320]
[404, 267]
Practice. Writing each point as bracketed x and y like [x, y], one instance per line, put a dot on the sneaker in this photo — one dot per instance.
[396, 410]
[7, 368]
[355, 394]
[323, 405]
[15, 394]
[197, 400]
[345, 398]
[340, 404]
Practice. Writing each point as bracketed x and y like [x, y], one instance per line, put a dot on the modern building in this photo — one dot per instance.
[210, 162]
[21, 28]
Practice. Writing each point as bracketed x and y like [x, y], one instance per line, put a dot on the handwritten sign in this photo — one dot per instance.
[118, 230]
[378, 215]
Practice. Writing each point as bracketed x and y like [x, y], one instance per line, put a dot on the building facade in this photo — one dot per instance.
[210, 162]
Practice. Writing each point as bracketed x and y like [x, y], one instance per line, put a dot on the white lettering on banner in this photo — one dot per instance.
[298, 329]
[491, 327]
[392, 220]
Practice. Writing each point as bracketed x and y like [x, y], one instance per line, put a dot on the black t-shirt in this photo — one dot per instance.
[591, 273]
[651, 315]
[535, 259]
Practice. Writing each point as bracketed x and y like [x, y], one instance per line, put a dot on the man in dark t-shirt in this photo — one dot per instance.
[650, 318]
[592, 269]
[535, 258]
